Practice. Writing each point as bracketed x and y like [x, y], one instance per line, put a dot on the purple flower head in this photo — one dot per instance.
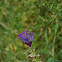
[26, 37]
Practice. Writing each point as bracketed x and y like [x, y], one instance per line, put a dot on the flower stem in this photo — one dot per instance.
[31, 49]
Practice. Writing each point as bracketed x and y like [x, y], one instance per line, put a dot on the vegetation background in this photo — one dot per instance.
[42, 17]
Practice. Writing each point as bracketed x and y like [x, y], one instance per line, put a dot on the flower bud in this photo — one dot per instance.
[29, 53]
[39, 56]
[35, 57]
[33, 60]
[29, 56]
[35, 49]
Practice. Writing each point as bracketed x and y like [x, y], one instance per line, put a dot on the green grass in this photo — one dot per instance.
[42, 17]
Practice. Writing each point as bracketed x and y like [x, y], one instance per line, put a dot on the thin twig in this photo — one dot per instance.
[4, 26]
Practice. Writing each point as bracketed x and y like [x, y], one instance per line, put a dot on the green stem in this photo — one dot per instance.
[46, 38]
[56, 27]
[31, 49]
